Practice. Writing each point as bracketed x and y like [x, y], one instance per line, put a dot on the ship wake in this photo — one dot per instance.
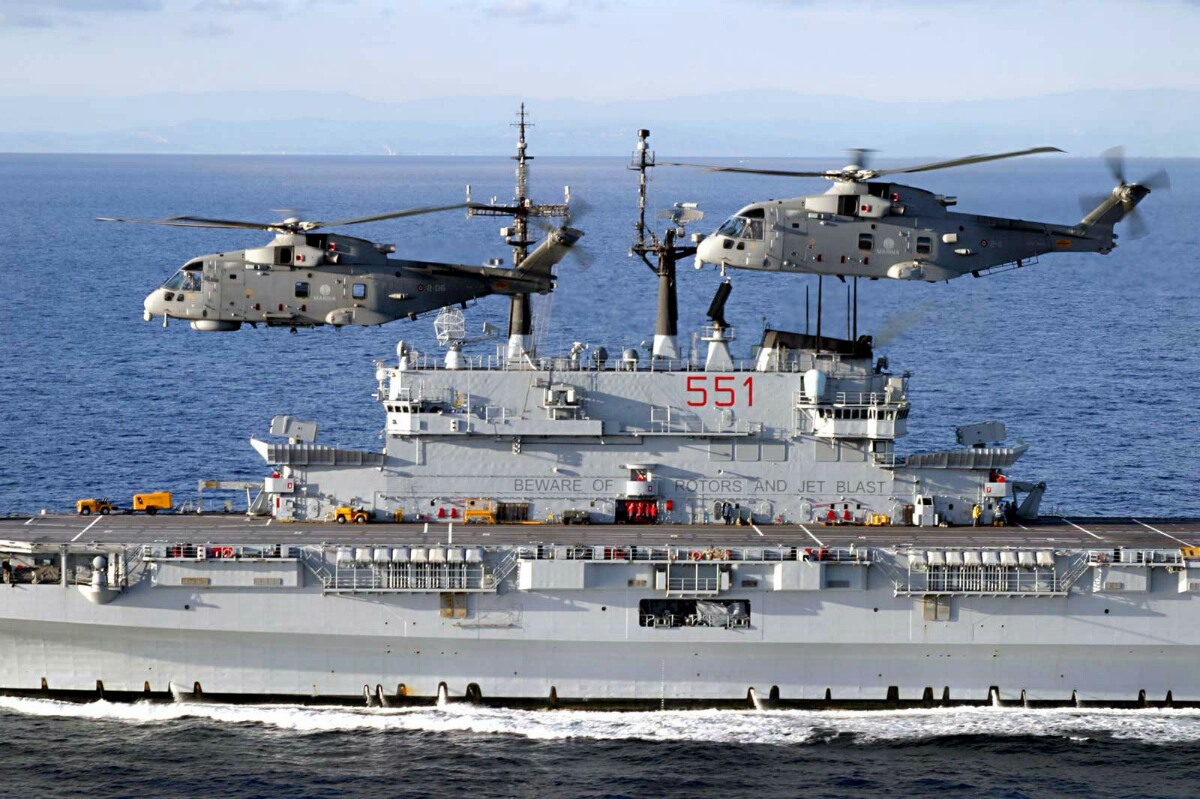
[785, 727]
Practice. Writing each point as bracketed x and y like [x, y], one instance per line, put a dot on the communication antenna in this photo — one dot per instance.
[521, 210]
[667, 252]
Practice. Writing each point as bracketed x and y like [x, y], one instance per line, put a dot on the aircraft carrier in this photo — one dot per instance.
[583, 532]
[625, 529]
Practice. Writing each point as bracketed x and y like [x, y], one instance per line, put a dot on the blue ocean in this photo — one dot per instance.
[1090, 359]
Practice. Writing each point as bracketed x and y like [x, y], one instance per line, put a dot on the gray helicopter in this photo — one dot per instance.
[864, 228]
[304, 279]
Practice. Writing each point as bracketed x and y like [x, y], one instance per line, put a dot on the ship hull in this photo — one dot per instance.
[836, 648]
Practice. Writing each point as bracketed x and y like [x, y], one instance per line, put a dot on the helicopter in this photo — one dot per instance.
[303, 278]
[877, 229]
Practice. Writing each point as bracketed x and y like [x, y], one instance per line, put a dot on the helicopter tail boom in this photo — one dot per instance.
[1113, 208]
[553, 249]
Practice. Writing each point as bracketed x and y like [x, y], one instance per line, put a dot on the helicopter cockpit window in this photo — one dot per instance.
[746, 226]
[731, 227]
[184, 280]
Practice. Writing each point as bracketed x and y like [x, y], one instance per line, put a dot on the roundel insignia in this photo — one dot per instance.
[983, 242]
[325, 291]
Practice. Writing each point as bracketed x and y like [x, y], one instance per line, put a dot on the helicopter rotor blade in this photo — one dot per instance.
[749, 171]
[1114, 157]
[428, 209]
[858, 156]
[1090, 202]
[584, 255]
[1137, 228]
[970, 159]
[577, 209]
[192, 221]
[1158, 180]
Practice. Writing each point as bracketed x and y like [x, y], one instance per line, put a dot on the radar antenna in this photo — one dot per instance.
[450, 328]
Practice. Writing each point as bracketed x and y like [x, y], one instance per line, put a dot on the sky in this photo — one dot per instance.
[597, 50]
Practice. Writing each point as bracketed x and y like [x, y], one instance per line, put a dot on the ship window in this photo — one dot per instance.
[283, 256]
[866, 241]
[359, 291]
[301, 288]
[924, 245]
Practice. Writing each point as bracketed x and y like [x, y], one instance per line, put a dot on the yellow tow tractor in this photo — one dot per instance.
[345, 513]
[86, 507]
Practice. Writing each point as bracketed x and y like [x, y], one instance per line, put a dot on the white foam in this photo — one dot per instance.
[723, 726]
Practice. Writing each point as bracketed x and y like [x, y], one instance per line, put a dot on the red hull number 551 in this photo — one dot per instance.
[723, 390]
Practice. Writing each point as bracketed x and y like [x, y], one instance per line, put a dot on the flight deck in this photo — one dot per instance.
[233, 529]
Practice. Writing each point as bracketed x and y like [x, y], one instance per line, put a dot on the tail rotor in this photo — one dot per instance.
[1127, 195]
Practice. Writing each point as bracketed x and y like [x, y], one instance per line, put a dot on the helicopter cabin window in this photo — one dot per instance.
[359, 291]
[283, 256]
[753, 227]
[924, 245]
[866, 241]
[301, 289]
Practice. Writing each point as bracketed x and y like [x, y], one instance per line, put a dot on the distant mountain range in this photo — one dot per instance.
[1163, 123]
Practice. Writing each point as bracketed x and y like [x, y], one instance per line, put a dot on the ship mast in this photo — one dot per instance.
[522, 209]
[667, 253]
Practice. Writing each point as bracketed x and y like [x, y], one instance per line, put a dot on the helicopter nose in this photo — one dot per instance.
[153, 305]
[710, 251]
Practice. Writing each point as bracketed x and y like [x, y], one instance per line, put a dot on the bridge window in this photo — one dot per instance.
[924, 245]
[359, 292]
[301, 288]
